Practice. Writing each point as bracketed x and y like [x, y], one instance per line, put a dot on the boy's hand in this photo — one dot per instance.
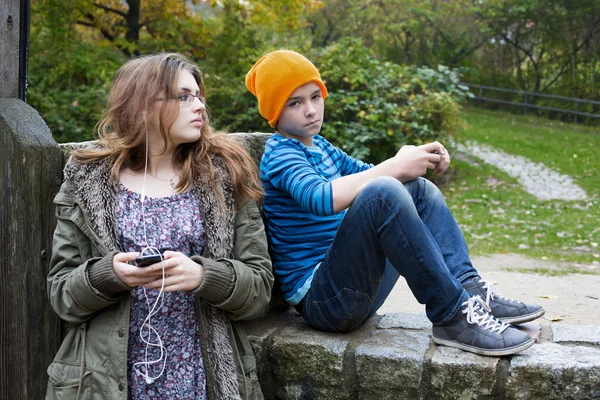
[444, 163]
[412, 162]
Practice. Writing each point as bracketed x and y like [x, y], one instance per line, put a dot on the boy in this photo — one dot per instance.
[342, 231]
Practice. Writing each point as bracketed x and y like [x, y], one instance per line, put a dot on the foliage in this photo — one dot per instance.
[77, 46]
[374, 107]
[543, 46]
[418, 32]
[70, 97]
[68, 78]
[533, 45]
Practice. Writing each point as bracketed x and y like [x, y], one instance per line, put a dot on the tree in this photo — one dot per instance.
[549, 41]
[77, 46]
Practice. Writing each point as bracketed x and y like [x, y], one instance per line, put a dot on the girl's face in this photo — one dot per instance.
[191, 117]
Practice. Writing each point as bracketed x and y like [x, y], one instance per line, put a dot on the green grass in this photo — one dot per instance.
[498, 216]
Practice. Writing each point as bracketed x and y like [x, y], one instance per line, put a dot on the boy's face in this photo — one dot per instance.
[302, 114]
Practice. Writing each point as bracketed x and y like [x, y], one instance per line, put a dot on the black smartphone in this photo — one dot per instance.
[144, 261]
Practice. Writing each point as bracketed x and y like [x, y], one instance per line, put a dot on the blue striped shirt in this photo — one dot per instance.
[298, 206]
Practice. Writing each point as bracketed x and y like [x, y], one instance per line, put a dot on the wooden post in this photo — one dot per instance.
[30, 174]
[14, 35]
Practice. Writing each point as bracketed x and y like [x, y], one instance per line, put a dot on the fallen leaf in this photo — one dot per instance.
[554, 319]
[549, 296]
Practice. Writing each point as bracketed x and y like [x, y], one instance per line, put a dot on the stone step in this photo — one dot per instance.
[393, 357]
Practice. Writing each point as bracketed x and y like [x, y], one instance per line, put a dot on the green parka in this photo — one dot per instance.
[86, 293]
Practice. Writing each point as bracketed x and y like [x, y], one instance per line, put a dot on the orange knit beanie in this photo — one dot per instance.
[275, 76]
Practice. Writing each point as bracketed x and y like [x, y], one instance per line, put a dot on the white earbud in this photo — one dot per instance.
[149, 381]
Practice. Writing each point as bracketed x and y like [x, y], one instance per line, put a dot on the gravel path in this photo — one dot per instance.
[536, 178]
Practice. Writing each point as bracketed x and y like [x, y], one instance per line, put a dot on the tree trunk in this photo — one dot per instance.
[133, 21]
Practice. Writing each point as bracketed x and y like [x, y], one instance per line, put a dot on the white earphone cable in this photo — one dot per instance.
[152, 308]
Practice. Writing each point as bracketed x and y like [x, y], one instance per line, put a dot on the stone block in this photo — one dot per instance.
[586, 334]
[551, 371]
[457, 374]
[404, 321]
[309, 364]
[389, 364]
[254, 143]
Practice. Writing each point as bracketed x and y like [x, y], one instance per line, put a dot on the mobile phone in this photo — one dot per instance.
[144, 261]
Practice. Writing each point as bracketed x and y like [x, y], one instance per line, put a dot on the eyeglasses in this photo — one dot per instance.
[187, 99]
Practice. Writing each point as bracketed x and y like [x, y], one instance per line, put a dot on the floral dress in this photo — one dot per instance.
[171, 223]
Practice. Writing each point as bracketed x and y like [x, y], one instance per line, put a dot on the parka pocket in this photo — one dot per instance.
[64, 381]
[249, 385]
[247, 373]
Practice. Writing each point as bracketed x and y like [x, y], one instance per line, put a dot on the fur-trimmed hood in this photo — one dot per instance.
[98, 197]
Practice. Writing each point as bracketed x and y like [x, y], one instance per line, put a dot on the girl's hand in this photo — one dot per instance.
[130, 274]
[181, 273]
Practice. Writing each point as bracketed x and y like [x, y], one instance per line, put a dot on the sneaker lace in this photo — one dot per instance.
[492, 292]
[478, 312]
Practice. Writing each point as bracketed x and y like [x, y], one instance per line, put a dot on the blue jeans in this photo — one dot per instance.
[391, 229]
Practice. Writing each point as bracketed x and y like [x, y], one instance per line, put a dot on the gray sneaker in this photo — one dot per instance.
[509, 311]
[474, 329]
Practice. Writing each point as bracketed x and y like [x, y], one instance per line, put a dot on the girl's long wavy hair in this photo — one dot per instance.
[123, 127]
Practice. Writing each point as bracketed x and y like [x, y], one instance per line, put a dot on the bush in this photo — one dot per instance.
[374, 107]
[70, 92]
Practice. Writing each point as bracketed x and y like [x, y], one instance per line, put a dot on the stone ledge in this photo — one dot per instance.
[393, 357]
[586, 334]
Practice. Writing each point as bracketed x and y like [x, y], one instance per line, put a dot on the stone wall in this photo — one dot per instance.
[393, 357]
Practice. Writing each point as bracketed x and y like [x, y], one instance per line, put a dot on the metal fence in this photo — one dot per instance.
[529, 100]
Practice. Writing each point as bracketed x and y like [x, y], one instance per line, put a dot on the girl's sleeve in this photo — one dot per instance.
[242, 285]
[288, 169]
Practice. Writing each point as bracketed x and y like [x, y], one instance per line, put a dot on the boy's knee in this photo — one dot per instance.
[384, 188]
[382, 184]
[432, 191]
[424, 188]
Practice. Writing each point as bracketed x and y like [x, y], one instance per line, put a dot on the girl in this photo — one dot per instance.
[158, 181]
